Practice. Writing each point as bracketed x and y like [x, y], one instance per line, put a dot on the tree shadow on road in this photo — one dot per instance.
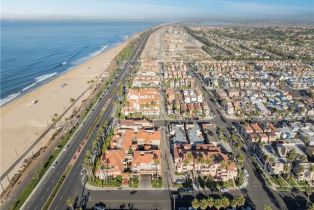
[294, 202]
[267, 190]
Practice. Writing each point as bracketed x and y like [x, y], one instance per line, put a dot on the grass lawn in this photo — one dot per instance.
[113, 182]
[33, 183]
[178, 185]
[157, 183]
[279, 181]
[283, 189]
[293, 183]
[303, 183]
[133, 182]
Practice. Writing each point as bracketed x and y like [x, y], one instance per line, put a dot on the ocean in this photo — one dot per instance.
[34, 52]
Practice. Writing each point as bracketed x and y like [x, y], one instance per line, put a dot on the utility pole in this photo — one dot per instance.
[174, 201]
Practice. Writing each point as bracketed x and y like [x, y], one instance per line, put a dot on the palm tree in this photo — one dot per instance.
[233, 203]
[301, 169]
[302, 158]
[70, 202]
[241, 158]
[107, 167]
[190, 157]
[210, 202]
[268, 159]
[311, 207]
[291, 155]
[201, 161]
[225, 202]
[218, 203]
[203, 204]
[265, 161]
[240, 200]
[233, 139]
[156, 161]
[195, 203]
[308, 192]
[267, 207]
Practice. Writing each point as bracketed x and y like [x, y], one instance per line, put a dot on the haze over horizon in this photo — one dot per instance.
[152, 9]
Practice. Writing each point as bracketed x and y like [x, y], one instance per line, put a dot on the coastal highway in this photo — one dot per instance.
[72, 184]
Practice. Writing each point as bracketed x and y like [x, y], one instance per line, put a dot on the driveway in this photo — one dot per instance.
[145, 181]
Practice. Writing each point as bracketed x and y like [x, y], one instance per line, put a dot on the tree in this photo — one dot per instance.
[55, 117]
[203, 204]
[156, 161]
[195, 203]
[301, 169]
[311, 207]
[265, 161]
[268, 159]
[70, 202]
[218, 203]
[241, 158]
[233, 203]
[72, 100]
[240, 200]
[291, 155]
[267, 207]
[225, 202]
[302, 158]
[210, 202]
[308, 192]
[233, 139]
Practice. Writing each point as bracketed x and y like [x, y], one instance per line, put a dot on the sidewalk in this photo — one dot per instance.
[125, 187]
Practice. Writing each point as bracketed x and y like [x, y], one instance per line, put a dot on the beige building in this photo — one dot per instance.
[205, 159]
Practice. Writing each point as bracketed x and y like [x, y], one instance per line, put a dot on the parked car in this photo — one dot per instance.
[66, 147]
[223, 190]
[189, 189]
[180, 181]
[181, 190]
[246, 173]
[54, 164]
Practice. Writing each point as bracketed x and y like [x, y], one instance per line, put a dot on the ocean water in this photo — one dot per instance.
[34, 52]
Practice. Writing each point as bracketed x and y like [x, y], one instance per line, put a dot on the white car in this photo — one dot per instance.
[224, 190]
[54, 164]
[65, 148]
[246, 173]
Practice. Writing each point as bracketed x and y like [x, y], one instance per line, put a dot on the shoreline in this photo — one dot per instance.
[41, 81]
[22, 121]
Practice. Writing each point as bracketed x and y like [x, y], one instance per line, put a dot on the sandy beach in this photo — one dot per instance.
[22, 121]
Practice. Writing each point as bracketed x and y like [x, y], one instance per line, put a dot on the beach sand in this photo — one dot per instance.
[22, 121]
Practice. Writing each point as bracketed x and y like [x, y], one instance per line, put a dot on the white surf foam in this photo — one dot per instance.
[9, 98]
[44, 77]
[83, 59]
[28, 87]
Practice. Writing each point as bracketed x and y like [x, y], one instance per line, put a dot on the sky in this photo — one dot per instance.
[162, 9]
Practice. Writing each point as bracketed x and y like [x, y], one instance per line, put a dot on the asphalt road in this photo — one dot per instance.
[143, 199]
[73, 184]
[257, 193]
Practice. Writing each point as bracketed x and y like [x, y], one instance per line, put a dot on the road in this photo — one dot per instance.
[141, 199]
[257, 192]
[72, 183]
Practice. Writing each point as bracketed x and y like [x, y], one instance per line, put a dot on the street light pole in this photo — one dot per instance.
[174, 201]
